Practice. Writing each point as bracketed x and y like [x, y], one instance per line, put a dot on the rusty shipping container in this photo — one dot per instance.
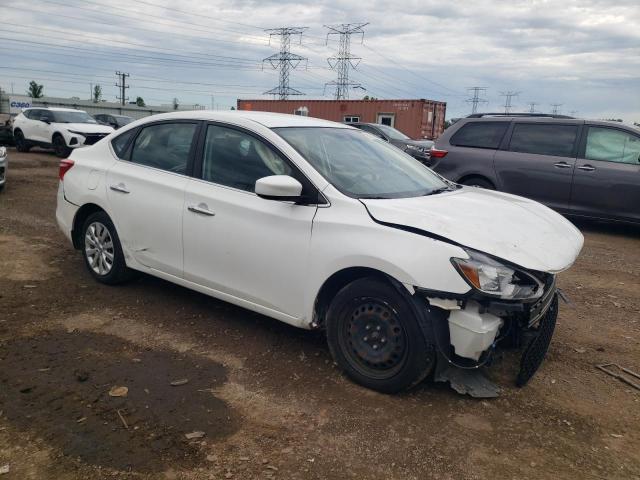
[418, 118]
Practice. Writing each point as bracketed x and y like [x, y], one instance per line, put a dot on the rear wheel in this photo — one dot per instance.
[60, 147]
[478, 182]
[102, 251]
[21, 142]
[374, 336]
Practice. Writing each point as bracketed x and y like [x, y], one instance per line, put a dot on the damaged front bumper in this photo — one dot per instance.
[467, 332]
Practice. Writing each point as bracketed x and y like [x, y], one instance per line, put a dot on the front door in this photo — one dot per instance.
[146, 193]
[252, 250]
[606, 182]
[538, 162]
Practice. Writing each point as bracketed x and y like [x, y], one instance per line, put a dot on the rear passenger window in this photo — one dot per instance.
[120, 143]
[480, 135]
[165, 146]
[612, 145]
[544, 139]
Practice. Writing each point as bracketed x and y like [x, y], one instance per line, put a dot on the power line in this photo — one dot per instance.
[476, 100]
[284, 61]
[122, 85]
[507, 101]
[344, 60]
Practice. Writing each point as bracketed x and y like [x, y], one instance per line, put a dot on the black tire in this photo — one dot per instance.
[478, 182]
[60, 147]
[375, 338]
[117, 271]
[21, 143]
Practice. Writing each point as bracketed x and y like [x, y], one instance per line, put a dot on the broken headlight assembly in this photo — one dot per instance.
[496, 279]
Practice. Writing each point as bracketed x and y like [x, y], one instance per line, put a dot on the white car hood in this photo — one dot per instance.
[513, 228]
[87, 127]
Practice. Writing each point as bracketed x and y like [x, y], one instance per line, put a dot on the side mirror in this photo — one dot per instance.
[45, 120]
[279, 187]
[114, 125]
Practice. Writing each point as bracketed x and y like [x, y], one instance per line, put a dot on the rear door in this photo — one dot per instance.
[606, 182]
[146, 191]
[537, 161]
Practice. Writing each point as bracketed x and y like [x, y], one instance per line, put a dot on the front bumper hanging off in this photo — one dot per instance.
[526, 327]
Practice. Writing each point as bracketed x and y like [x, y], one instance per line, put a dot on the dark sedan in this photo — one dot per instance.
[419, 149]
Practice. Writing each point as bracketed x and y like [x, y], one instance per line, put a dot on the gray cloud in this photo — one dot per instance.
[584, 54]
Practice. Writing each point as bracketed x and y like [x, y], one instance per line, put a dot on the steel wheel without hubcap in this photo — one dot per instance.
[98, 248]
[376, 343]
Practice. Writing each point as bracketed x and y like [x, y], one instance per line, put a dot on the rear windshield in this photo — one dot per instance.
[480, 134]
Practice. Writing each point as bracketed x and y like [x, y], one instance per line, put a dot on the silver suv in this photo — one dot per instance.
[578, 167]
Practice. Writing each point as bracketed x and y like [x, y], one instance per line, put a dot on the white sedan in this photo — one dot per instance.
[320, 225]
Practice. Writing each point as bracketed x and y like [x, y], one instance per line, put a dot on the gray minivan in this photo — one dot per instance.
[578, 167]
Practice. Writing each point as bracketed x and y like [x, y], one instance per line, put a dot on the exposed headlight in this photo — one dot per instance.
[3, 152]
[78, 133]
[494, 278]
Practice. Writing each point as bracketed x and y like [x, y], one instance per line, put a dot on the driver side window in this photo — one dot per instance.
[236, 159]
[165, 146]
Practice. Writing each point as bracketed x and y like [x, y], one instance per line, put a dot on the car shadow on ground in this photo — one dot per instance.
[607, 228]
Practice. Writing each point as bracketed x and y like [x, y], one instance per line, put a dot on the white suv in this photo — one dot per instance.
[62, 129]
[323, 226]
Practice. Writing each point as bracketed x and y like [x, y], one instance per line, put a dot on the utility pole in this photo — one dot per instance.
[556, 108]
[343, 61]
[532, 107]
[91, 92]
[476, 100]
[284, 61]
[122, 85]
[507, 101]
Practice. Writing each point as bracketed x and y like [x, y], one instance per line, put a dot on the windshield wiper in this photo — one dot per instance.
[439, 190]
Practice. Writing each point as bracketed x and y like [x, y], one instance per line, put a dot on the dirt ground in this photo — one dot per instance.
[267, 396]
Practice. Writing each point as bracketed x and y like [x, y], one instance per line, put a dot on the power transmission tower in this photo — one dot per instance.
[122, 85]
[556, 108]
[573, 113]
[476, 100]
[507, 101]
[284, 61]
[343, 61]
[532, 107]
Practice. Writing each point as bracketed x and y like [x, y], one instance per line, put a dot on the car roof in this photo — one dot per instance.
[55, 109]
[267, 119]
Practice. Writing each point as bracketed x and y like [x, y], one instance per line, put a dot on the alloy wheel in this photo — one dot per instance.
[98, 248]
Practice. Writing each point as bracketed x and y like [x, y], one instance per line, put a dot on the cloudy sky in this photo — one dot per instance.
[584, 55]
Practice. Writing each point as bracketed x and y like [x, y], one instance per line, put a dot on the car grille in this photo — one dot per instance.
[91, 138]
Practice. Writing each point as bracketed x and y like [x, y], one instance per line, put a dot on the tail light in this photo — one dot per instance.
[65, 166]
[437, 153]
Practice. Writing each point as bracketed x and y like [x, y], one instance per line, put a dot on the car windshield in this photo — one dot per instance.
[361, 165]
[73, 117]
[392, 132]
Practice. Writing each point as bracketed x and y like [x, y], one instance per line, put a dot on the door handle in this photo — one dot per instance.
[119, 188]
[587, 168]
[201, 209]
[562, 165]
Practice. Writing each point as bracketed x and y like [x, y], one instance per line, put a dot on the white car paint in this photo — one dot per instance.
[273, 257]
[35, 130]
[513, 228]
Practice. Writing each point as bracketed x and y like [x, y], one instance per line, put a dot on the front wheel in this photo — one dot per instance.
[60, 147]
[375, 337]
